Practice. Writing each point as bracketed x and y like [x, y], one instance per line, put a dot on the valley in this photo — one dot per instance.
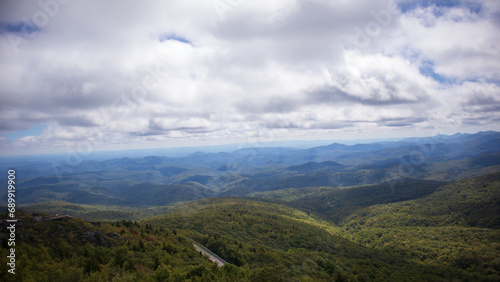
[146, 186]
[410, 210]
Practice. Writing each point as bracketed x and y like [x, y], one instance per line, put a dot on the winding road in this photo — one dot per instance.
[206, 252]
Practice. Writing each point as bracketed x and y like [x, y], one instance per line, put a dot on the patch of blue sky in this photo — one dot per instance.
[473, 6]
[427, 69]
[20, 27]
[174, 36]
[34, 131]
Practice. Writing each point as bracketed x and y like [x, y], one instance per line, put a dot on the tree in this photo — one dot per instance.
[162, 273]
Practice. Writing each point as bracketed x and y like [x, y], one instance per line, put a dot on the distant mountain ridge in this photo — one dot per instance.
[426, 210]
[169, 180]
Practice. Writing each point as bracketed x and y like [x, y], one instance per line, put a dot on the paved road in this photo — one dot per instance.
[206, 252]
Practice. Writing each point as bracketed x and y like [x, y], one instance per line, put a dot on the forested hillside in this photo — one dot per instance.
[261, 241]
[75, 250]
[458, 224]
[447, 231]
[331, 213]
[335, 204]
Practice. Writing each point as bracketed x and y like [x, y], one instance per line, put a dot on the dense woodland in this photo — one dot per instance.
[449, 234]
[302, 217]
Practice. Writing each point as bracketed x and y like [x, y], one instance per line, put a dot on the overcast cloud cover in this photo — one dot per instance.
[134, 74]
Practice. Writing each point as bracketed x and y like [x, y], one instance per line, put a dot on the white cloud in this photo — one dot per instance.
[461, 43]
[376, 78]
[288, 68]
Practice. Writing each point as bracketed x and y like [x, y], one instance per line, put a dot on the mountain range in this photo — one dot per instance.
[419, 209]
[158, 181]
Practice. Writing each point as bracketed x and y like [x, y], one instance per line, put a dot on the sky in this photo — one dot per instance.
[85, 76]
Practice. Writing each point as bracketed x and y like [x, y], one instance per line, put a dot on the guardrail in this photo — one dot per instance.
[207, 250]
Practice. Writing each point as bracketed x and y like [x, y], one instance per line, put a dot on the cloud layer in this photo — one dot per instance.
[124, 73]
